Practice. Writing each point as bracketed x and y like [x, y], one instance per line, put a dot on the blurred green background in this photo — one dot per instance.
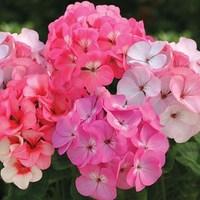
[166, 19]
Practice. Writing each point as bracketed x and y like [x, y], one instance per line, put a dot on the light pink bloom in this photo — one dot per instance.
[165, 97]
[137, 84]
[14, 172]
[179, 123]
[30, 38]
[148, 53]
[189, 48]
[146, 170]
[186, 89]
[97, 182]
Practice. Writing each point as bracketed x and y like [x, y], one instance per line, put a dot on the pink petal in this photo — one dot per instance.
[86, 186]
[138, 51]
[4, 50]
[156, 47]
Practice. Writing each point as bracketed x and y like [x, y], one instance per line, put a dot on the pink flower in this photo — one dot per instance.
[34, 151]
[186, 90]
[149, 138]
[95, 72]
[37, 86]
[146, 170]
[4, 149]
[14, 172]
[125, 121]
[20, 115]
[97, 182]
[165, 97]
[66, 132]
[85, 150]
[137, 84]
[179, 123]
[87, 108]
[124, 167]
[31, 38]
[111, 144]
[189, 48]
[148, 53]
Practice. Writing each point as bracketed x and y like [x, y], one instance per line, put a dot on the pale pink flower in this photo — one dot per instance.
[14, 172]
[186, 89]
[30, 38]
[97, 182]
[148, 53]
[138, 84]
[179, 123]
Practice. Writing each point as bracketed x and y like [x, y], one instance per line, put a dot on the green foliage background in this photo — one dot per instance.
[165, 19]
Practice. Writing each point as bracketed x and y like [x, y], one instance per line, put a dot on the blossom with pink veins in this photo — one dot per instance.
[179, 123]
[148, 53]
[138, 84]
[15, 172]
[97, 182]
[145, 171]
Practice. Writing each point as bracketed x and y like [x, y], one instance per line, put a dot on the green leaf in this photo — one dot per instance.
[187, 155]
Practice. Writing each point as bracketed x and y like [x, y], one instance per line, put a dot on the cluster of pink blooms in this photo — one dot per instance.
[25, 102]
[115, 140]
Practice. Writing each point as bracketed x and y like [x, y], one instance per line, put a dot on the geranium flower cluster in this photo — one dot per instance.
[112, 144]
[99, 90]
[25, 131]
